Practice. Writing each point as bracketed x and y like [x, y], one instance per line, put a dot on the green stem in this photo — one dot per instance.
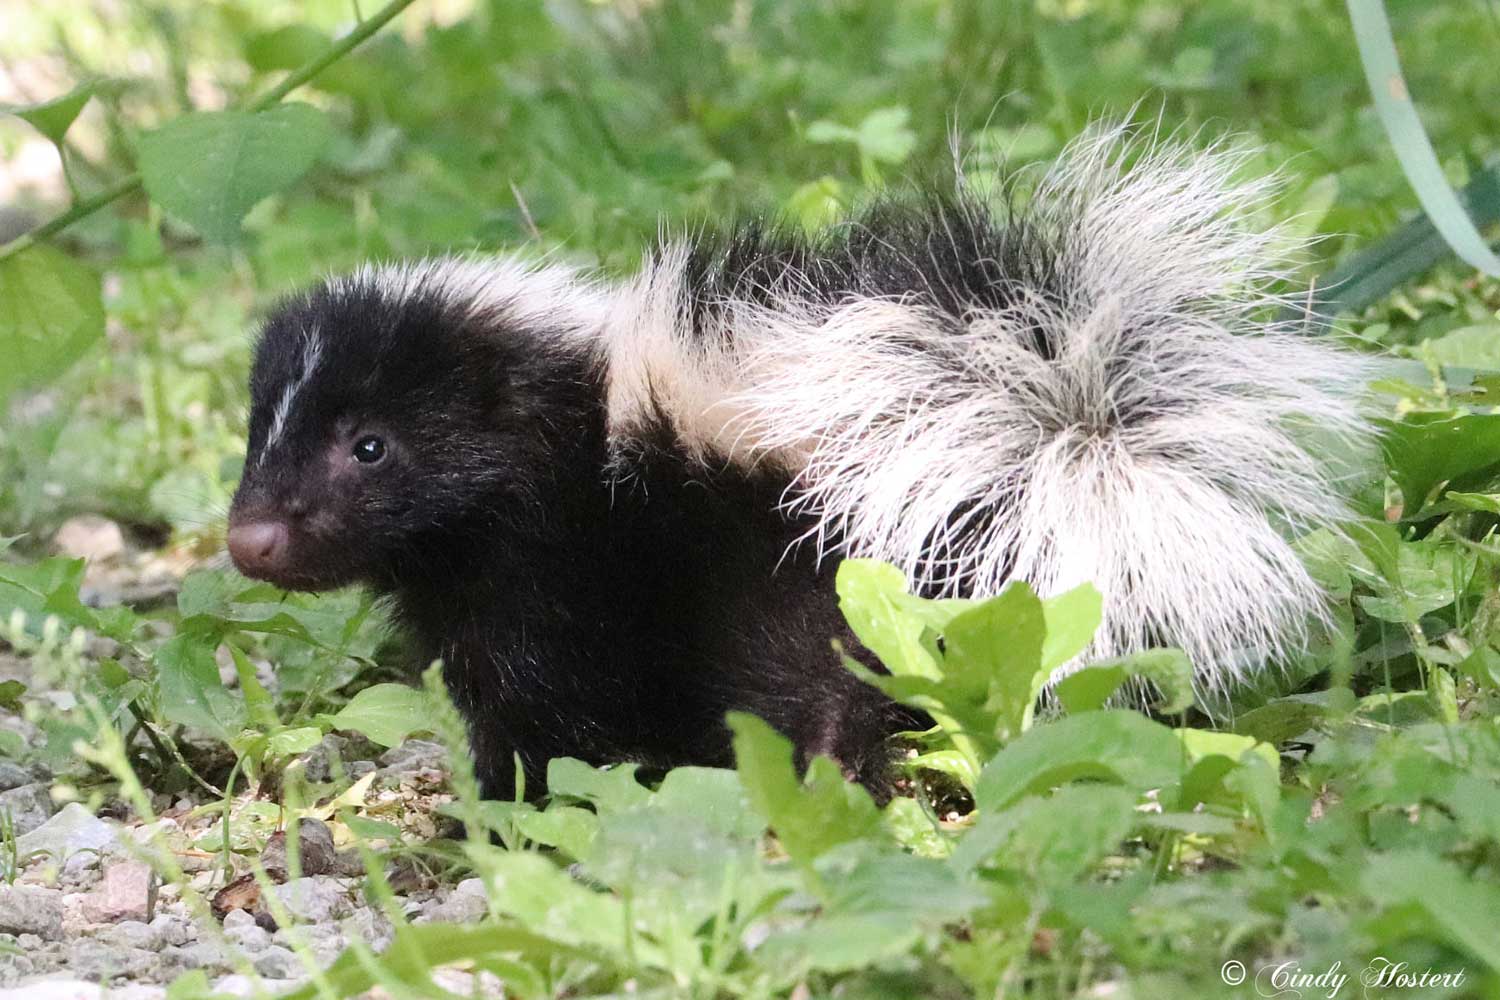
[132, 182]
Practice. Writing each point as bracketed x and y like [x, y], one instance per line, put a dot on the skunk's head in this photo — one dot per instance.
[394, 412]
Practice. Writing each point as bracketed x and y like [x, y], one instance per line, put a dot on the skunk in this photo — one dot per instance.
[614, 509]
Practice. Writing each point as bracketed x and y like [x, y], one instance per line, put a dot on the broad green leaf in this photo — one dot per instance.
[191, 692]
[1113, 745]
[570, 829]
[713, 795]
[1051, 840]
[386, 713]
[293, 741]
[53, 118]
[996, 647]
[1072, 619]
[1467, 347]
[609, 789]
[51, 313]
[1088, 690]
[211, 167]
[1456, 907]
[808, 816]
[1423, 452]
[1279, 721]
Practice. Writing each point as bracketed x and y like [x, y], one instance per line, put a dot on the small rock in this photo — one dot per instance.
[472, 887]
[279, 963]
[13, 775]
[100, 961]
[414, 755]
[318, 764]
[359, 768]
[252, 939]
[73, 829]
[134, 934]
[314, 899]
[237, 985]
[318, 856]
[206, 955]
[459, 908]
[91, 537]
[26, 909]
[235, 919]
[128, 892]
[30, 806]
[173, 930]
[373, 928]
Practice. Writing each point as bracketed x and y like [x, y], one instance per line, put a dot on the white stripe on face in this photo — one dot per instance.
[312, 352]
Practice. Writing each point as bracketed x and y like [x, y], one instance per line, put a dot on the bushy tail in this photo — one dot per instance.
[1134, 420]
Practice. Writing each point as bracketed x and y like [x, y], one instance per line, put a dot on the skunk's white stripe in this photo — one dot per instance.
[312, 353]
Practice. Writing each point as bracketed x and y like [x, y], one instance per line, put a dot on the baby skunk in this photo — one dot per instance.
[613, 510]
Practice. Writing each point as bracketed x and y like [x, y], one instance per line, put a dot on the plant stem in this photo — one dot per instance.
[132, 182]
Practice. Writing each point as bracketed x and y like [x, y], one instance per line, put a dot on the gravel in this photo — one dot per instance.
[86, 911]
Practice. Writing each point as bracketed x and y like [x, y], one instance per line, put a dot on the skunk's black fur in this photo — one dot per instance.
[614, 510]
[577, 613]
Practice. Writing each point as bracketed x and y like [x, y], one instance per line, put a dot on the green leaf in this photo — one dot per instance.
[1423, 452]
[996, 647]
[53, 118]
[211, 167]
[51, 312]
[1113, 745]
[386, 713]
[1467, 347]
[192, 694]
[288, 742]
[809, 817]
[1088, 689]
[609, 789]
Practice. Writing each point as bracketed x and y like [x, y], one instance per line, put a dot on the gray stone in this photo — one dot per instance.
[27, 909]
[235, 919]
[13, 775]
[96, 960]
[371, 926]
[173, 930]
[206, 955]
[253, 938]
[279, 963]
[414, 755]
[29, 805]
[73, 829]
[127, 892]
[472, 887]
[237, 985]
[134, 934]
[314, 899]
[459, 908]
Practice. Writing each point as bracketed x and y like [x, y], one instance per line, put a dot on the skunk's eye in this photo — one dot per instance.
[369, 450]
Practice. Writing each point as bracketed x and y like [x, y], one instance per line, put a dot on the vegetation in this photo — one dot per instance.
[1347, 810]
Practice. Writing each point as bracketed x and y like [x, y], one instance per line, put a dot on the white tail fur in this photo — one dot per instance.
[1151, 454]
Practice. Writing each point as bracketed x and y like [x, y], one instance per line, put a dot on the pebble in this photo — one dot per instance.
[91, 537]
[13, 775]
[174, 930]
[73, 829]
[127, 892]
[135, 934]
[30, 806]
[26, 909]
[314, 899]
[95, 960]
[414, 755]
[252, 939]
[280, 963]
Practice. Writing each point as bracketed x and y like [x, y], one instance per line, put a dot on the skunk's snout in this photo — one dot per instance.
[260, 549]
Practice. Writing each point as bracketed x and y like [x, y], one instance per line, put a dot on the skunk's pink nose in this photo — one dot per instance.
[259, 548]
